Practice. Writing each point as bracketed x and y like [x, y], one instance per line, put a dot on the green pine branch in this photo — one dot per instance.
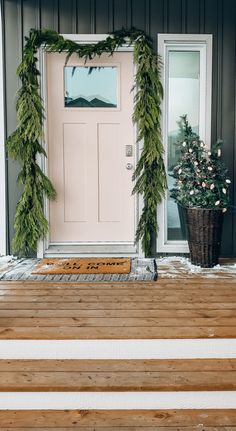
[25, 143]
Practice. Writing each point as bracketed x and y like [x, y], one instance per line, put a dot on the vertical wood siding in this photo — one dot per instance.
[217, 17]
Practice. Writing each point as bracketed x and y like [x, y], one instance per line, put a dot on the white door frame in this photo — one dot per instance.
[3, 230]
[202, 42]
[70, 250]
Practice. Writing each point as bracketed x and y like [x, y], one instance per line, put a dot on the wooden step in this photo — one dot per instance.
[118, 375]
[165, 309]
[114, 420]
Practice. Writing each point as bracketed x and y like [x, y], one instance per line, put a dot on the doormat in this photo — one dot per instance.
[83, 266]
[12, 269]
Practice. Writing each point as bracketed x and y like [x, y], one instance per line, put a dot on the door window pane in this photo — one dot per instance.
[183, 98]
[90, 87]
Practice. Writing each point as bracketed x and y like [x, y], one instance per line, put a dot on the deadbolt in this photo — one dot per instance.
[129, 166]
[128, 150]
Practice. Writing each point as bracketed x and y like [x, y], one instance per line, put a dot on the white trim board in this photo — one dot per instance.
[3, 232]
[115, 400]
[184, 42]
[118, 349]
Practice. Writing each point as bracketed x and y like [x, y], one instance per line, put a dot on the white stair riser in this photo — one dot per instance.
[118, 349]
[117, 400]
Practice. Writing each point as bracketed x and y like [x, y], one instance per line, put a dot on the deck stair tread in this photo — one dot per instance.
[114, 420]
[182, 308]
[118, 375]
[178, 309]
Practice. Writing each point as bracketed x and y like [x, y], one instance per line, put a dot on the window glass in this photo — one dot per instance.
[183, 98]
[90, 87]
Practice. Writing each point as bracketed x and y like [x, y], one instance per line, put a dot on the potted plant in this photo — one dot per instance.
[202, 189]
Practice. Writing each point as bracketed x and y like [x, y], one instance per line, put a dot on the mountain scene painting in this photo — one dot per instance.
[90, 87]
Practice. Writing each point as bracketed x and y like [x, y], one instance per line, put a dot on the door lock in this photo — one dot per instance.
[128, 150]
[129, 166]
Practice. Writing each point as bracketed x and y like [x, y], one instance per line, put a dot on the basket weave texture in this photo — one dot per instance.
[204, 228]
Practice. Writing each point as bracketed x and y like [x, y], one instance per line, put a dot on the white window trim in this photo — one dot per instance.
[202, 42]
[3, 231]
[44, 246]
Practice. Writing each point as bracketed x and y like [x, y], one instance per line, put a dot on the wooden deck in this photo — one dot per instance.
[169, 308]
[117, 375]
[182, 308]
[125, 420]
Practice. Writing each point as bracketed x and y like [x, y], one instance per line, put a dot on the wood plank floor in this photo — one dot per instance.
[118, 375]
[114, 420]
[190, 308]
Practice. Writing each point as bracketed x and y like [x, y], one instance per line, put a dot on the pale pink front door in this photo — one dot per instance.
[91, 152]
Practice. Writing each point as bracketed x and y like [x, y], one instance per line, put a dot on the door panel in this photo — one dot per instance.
[87, 137]
[74, 170]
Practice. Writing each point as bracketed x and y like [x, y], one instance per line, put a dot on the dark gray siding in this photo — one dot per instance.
[216, 17]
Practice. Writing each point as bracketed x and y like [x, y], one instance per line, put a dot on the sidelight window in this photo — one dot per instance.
[187, 90]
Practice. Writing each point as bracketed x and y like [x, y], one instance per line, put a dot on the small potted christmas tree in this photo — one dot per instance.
[202, 189]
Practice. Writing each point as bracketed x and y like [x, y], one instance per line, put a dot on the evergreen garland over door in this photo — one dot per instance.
[25, 144]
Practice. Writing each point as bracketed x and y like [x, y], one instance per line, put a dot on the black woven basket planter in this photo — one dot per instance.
[204, 227]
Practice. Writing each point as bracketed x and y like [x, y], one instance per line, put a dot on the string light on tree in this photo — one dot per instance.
[203, 175]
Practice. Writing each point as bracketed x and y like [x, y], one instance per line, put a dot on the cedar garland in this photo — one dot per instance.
[25, 144]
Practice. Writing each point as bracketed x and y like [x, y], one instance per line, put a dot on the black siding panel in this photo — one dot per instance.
[119, 14]
[102, 16]
[216, 17]
[156, 19]
[13, 49]
[139, 14]
[211, 14]
[192, 17]
[29, 15]
[228, 106]
[174, 18]
[84, 13]
[49, 14]
[67, 16]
